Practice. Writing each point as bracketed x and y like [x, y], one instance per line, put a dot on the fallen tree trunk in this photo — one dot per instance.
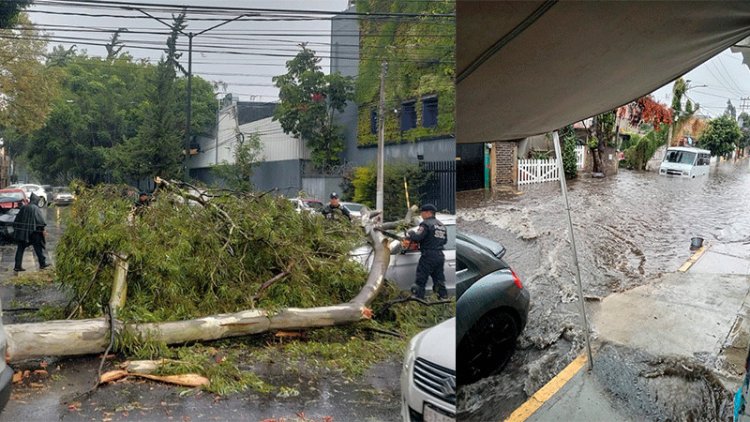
[87, 336]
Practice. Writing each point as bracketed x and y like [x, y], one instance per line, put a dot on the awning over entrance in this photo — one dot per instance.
[525, 68]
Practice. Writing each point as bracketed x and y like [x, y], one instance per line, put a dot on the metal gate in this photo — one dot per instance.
[440, 188]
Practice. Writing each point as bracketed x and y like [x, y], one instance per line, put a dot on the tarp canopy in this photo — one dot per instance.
[525, 68]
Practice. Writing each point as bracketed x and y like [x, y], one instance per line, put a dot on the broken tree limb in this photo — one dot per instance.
[87, 336]
[120, 285]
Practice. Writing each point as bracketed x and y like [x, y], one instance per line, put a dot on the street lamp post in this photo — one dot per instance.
[189, 101]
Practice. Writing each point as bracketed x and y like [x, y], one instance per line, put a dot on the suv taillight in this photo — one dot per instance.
[516, 280]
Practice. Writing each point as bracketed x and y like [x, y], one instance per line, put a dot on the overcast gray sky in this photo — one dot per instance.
[722, 78]
[248, 74]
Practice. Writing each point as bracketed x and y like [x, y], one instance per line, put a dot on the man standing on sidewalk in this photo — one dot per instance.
[30, 229]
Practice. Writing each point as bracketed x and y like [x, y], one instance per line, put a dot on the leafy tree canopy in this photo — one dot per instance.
[721, 135]
[309, 100]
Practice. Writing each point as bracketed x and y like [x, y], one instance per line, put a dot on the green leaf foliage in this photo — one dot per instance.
[188, 261]
[721, 135]
[308, 101]
[569, 141]
[420, 53]
[364, 183]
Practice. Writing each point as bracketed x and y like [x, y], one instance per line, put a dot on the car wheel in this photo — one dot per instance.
[487, 347]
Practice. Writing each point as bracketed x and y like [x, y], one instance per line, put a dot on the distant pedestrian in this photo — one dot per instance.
[334, 209]
[29, 229]
[432, 237]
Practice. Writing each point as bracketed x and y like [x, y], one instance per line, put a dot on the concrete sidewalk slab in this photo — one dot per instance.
[681, 314]
[582, 399]
[715, 261]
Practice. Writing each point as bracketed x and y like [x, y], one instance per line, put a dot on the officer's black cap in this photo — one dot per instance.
[428, 207]
[334, 195]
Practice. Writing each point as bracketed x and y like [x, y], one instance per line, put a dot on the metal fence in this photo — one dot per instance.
[537, 171]
[440, 189]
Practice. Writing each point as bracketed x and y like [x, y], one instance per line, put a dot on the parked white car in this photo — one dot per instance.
[306, 204]
[30, 188]
[402, 268]
[428, 376]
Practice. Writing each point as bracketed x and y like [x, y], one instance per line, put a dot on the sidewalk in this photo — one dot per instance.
[703, 311]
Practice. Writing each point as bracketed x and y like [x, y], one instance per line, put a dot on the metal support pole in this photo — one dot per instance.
[381, 141]
[189, 112]
[564, 188]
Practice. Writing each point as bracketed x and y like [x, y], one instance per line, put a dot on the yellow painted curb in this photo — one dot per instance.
[693, 259]
[545, 393]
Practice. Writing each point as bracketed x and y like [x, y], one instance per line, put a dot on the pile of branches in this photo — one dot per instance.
[193, 252]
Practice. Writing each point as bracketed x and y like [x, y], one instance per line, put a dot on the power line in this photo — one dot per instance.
[164, 7]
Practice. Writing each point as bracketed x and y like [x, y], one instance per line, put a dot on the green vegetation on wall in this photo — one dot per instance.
[363, 187]
[420, 53]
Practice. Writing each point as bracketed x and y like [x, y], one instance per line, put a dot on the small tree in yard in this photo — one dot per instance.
[721, 135]
[570, 162]
[246, 154]
[309, 101]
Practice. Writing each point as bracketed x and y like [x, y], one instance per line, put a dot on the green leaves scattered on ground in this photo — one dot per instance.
[188, 261]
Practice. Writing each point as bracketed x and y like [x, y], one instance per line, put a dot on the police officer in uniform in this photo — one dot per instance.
[431, 236]
[334, 209]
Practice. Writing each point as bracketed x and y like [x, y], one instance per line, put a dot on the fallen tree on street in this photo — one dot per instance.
[192, 251]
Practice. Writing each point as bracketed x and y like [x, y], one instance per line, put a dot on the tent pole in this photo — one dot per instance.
[564, 188]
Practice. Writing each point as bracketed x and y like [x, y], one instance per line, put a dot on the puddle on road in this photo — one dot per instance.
[629, 229]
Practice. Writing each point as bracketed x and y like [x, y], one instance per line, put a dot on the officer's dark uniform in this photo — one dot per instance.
[331, 212]
[431, 236]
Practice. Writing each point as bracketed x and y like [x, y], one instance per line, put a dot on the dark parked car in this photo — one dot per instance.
[492, 308]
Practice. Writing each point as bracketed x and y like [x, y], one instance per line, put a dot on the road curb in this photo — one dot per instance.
[545, 393]
[693, 259]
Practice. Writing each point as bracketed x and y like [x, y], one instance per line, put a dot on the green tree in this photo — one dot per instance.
[247, 154]
[27, 87]
[721, 135]
[730, 110]
[10, 11]
[309, 101]
[157, 149]
[570, 162]
[364, 183]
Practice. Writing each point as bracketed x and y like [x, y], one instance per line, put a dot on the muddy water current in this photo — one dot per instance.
[629, 228]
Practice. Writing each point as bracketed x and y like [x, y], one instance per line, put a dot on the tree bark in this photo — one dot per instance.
[87, 336]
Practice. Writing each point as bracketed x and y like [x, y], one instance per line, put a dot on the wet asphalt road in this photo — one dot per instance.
[629, 229]
[57, 395]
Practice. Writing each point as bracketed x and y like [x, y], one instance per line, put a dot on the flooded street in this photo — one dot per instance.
[629, 228]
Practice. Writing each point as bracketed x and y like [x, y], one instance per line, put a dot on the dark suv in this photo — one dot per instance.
[491, 307]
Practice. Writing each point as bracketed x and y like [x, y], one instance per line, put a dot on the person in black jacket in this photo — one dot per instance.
[432, 237]
[334, 209]
[29, 228]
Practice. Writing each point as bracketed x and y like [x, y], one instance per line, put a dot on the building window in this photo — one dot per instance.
[429, 112]
[373, 120]
[408, 115]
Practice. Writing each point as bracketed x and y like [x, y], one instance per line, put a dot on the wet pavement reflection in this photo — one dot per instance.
[629, 228]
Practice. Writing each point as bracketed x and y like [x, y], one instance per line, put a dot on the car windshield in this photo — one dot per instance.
[353, 207]
[680, 157]
[11, 196]
[314, 205]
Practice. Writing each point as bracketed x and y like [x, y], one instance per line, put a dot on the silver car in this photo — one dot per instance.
[402, 269]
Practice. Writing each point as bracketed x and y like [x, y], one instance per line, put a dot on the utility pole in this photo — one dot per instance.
[189, 111]
[381, 140]
[189, 74]
[744, 105]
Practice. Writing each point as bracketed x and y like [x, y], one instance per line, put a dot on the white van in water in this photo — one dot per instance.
[685, 162]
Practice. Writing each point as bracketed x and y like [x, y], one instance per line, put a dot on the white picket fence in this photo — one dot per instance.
[537, 171]
[580, 155]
